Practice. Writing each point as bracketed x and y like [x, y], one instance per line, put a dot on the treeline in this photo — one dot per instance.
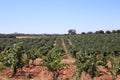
[103, 32]
[13, 35]
[7, 36]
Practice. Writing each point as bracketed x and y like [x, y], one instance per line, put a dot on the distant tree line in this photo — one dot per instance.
[7, 36]
[70, 32]
[73, 32]
[102, 32]
[22, 34]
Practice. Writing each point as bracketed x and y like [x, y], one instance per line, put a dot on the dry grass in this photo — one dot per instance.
[20, 37]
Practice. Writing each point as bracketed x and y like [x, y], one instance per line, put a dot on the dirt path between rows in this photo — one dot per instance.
[64, 46]
[54, 44]
[68, 59]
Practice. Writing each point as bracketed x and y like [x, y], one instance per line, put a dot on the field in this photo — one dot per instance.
[65, 57]
[27, 36]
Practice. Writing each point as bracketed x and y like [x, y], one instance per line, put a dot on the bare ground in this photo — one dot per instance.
[68, 58]
[69, 41]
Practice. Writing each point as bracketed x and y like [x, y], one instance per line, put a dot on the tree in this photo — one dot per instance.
[72, 31]
[114, 31]
[107, 32]
[118, 31]
[90, 32]
[99, 32]
[7, 36]
[83, 33]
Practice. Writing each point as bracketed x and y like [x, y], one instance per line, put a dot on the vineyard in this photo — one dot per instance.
[65, 57]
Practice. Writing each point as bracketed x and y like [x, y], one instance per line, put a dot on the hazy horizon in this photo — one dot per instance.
[58, 16]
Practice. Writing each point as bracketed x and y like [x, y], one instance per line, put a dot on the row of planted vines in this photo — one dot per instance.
[15, 51]
[91, 52]
[18, 52]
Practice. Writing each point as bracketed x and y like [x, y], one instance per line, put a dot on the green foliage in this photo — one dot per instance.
[96, 42]
[52, 60]
[14, 57]
[1, 66]
[33, 53]
[107, 32]
[99, 32]
[88, 63]
[115, 61]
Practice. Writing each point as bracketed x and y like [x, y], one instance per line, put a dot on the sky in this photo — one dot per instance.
[58, 16]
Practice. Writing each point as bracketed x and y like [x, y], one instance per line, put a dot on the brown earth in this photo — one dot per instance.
[69, 42]
[64, 46]
[68, 59]
[65, 73]
[35, 72]
[54, 44]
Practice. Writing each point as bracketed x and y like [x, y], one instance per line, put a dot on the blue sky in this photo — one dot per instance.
[58, 16]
